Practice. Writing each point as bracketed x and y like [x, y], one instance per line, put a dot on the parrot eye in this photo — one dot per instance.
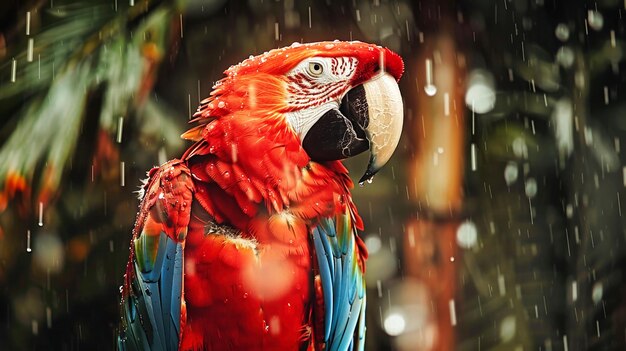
[315, 69]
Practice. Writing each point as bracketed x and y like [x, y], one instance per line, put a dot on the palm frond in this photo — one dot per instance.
[86, 49]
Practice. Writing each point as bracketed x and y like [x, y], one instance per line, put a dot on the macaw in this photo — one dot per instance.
[249, 241]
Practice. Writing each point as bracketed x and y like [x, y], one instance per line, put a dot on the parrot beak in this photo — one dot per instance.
[370, 116]
[385, 118]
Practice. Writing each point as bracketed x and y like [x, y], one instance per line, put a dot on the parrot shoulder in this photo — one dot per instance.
[166, 202]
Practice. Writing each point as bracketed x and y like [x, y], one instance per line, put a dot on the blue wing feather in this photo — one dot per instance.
[337, 293]
[165, 286]
[155, 299]
[360, 342]
[348, 335]
[326, 278]
[342, 283]
[177, 288]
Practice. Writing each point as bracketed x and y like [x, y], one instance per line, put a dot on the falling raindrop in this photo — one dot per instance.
[430, 89]
[48, 317]
[40, 214]
[408, 32]
[29, 51]
[181, 25]
[452, 308]
[394, 324]
[49, 252]
[162, 156]
[595, 20]
[511, 172]
[564, 125]
[120, 126]
[562, 32]
[480, 96]
[27, 22]
[520, 149]
[613, 43]
[507, 328]
[466, 235]
[190, 114]
[122, 173]
[569, 211]
[373, 244]
[382, 261]
[565, 57]
[473, 156]
[501, 285]
[368, 180]
[13, 70]
[597, 292]
[531, 188]
[28, 248]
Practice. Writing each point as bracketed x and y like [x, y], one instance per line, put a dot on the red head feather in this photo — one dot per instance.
[259, 82]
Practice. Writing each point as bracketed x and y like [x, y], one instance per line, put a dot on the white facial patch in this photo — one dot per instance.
[301, 121]
[315, 86]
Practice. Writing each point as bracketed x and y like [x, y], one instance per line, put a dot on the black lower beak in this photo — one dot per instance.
[340, 133]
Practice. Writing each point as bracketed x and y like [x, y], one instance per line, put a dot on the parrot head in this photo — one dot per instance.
[337, 99]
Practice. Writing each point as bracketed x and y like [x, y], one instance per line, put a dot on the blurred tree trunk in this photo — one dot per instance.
[437, 130]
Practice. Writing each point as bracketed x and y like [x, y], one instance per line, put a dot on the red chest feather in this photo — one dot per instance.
[248, 291]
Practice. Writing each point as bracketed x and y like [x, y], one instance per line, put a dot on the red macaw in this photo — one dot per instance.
[249, 240]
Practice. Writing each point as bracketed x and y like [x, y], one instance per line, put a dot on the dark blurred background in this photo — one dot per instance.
[498, 224]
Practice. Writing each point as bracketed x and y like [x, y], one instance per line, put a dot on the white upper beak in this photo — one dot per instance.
[385, 120]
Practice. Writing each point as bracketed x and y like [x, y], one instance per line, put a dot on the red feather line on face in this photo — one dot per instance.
[306, 92]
